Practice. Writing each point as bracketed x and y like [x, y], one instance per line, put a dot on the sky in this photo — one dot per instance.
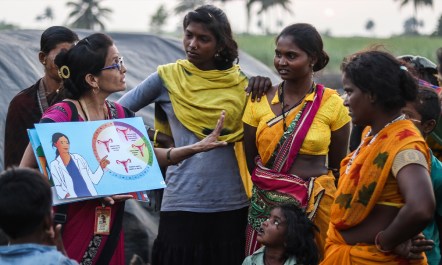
[338, 17]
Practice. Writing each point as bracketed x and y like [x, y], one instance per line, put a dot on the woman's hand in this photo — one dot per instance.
[211, 141]
[414, 248]
[258, 86]
[104, 162]
[108, 201]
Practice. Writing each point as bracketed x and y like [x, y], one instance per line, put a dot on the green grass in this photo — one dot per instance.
[262, 47]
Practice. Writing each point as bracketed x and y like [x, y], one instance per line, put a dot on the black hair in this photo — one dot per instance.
[25, 200]
[217, 23]
[427, 104]
[87, 57]
[55, 35]
[300, 238]
[308, 39]
[55, 138]
[382, 75]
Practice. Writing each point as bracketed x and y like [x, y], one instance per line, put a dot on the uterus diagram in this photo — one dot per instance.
[124, 132]
[139, 148]
[124, 163]
[105, 143]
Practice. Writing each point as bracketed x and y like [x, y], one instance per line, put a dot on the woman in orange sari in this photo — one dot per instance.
[291, 132]
[384, 195]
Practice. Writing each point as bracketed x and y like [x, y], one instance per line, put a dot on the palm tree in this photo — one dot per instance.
[48, 14]
[88, 14]
[265, 6]
[417, 4]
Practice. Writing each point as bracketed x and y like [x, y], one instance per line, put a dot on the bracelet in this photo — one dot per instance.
[378, 244]
[155, 144]
[168, 156]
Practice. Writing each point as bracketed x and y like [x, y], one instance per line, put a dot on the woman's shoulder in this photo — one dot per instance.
[61, 111]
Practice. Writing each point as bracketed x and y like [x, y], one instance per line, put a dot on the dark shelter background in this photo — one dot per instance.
[20, 68]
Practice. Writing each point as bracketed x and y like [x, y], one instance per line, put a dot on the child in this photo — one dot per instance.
[424, 113]
[26, 218]
[287, 237]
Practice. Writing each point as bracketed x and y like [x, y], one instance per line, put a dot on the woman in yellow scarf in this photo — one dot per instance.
[204, 208]
[384, 196]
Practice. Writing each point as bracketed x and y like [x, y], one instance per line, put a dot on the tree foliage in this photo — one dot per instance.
[265, 6]
[416, 4]
[187, 5]
[88, 14]
[369, 26]
[5, 25]
[159, 19]
[411, 25]
[48, 14]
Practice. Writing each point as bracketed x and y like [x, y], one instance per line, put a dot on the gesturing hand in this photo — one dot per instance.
[104, 162]
[211, 140]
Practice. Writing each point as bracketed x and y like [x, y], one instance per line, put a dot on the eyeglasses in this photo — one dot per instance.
[118, 65]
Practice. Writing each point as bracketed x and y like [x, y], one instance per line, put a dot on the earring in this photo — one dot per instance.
[217, 55]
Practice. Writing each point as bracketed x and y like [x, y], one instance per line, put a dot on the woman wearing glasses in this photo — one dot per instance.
[91, 71]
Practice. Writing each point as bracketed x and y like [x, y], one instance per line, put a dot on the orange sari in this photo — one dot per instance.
[360, 186]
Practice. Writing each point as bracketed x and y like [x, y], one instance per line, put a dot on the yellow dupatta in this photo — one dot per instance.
[198, 97]
[360, 187]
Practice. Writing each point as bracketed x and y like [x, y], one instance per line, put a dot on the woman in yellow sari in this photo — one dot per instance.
[384, 195]
[291, 132]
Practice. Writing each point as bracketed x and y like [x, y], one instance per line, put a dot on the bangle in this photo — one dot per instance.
[155, 144]
[168, 156]
[378, 244]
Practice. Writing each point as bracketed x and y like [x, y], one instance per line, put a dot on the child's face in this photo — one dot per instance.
[273, 231]
[412, 115]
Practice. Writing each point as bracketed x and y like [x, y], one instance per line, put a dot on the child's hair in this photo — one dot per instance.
[427, 104]
[300, 240]
[25, 200]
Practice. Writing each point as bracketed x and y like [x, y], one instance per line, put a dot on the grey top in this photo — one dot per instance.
[205, 182]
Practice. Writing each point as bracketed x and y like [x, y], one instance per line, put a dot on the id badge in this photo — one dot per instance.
[102, 220]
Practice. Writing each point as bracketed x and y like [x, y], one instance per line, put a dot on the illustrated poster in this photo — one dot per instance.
[97, 158]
